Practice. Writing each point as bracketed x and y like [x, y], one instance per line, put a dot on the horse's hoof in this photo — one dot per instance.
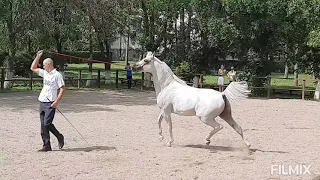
[169, 144]
[247, 143]
[161, 138]
[208, 142]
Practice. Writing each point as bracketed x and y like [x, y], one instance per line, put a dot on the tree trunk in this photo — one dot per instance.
[317, 92]
[8, 63]
[29, 44]
[196, 80]
[316, 70]
[57, 36]
[88, 82]
[127, 47]
[107, 74]
[89, 77]
[313, 75]
[182, 35]
[61, 61]
[120, 47]
[176, 43]
[104, 56]
[152, 31]
[165, 42]
[296, 75]
[146, 25]
[107, 67]
[286, 71]
[205, 51]
[148, 22]
[189, 29]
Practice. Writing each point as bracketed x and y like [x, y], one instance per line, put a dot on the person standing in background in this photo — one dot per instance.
[221, 74]
[232, 74]
[128, 68]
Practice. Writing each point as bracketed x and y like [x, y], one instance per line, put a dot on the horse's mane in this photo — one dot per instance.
[171, 72]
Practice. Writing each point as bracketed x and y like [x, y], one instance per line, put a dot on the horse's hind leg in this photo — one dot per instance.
[211, 122]
[167, 117]
[226, 115]
[160, 117]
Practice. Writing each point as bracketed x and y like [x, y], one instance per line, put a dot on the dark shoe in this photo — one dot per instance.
[45, 149]
[61, 141]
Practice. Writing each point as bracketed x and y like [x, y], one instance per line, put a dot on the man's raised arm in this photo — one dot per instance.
[34, 65]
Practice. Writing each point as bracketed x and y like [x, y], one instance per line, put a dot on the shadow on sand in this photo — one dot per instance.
[213, 148]
[88, 149]
[225, 148]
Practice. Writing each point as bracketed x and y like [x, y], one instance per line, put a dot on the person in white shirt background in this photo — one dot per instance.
[49, 99]
[221, 74]
[232, 74]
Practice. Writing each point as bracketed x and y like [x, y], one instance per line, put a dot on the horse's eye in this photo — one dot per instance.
[146, 60]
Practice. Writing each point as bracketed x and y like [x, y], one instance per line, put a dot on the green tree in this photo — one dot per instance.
[15, 17]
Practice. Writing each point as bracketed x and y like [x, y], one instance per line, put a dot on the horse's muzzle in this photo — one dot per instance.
[137, 68]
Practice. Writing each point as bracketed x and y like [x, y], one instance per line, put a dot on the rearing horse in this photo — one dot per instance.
[175, 96]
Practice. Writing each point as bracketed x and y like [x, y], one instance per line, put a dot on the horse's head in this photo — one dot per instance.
[145, 65]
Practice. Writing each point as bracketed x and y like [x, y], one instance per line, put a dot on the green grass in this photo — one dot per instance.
[277, 80]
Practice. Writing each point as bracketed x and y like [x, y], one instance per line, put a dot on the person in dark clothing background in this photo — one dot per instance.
[129, 75]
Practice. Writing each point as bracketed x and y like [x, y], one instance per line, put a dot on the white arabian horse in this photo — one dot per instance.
[175, 96]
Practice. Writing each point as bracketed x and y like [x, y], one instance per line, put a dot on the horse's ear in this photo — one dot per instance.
[149, 54]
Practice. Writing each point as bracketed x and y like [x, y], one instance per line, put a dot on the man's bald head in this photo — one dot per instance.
[48, 64]
[48, 61]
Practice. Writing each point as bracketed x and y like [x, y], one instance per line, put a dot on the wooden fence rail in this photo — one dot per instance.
[80, 80]
[68, 79]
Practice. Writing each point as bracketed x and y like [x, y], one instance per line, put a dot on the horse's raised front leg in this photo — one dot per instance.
[160, 117]
[167, 117]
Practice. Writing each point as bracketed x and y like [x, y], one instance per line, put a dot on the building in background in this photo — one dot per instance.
[123, 47]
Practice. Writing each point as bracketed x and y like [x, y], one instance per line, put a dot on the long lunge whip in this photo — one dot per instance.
[72, 125]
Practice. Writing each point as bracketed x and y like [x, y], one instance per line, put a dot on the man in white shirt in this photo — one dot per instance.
[49, 99]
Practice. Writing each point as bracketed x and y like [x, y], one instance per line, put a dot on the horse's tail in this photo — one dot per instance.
[236, 91]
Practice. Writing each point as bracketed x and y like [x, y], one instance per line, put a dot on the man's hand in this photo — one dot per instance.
[40, 53]
[34, 65]
[54, 104]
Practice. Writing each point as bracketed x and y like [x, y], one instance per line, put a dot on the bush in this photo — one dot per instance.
[185, 71]
[22, 64]
[255, 72]
[2, 57]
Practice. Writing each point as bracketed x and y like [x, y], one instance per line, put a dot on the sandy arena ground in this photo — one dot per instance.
[121, 128]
